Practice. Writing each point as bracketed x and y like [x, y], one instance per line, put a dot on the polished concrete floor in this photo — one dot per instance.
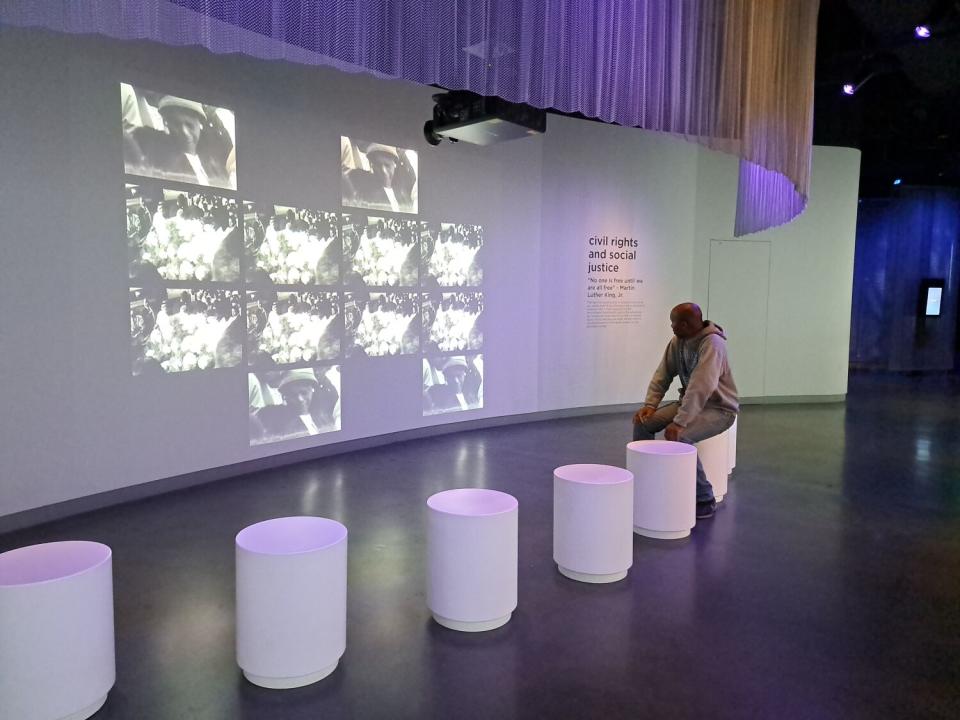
[827, 585]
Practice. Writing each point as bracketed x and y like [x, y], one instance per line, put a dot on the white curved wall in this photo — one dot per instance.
[77, 423]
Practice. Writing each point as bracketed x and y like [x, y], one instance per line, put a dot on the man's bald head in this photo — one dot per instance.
[686, 320]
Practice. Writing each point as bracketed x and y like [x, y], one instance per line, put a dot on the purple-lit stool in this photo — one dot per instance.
[732, 451]
[593, 522]
[291, 600]
[664, 488]
[715, 457]
[472, 558]
[56, 631]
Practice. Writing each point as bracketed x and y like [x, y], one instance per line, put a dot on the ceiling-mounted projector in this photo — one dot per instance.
[461, 115]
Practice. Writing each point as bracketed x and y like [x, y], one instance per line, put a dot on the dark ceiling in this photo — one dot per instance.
[906, 117]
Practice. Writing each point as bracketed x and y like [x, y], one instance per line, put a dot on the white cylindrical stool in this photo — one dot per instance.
[593, 522]
[714, 456]
[664, 488]
[291, 600]
[472, 558]
[732, 450]
[57, 657]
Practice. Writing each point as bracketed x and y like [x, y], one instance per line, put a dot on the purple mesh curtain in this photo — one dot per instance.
[733, 75]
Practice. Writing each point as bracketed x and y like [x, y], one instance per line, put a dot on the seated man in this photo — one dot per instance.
[708, 396]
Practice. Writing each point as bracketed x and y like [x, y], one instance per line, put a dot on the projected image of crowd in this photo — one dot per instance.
[179, 329]
[290, 293]
[382, 324]
[292, 327]
[380, 252]
[451, 255]
[290, 404]
[452, 322]
[289, 246]
[176, 235]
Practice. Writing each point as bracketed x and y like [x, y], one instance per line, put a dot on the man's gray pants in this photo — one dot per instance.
[707, 423]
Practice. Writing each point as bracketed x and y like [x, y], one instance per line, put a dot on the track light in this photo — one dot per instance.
[854, 87]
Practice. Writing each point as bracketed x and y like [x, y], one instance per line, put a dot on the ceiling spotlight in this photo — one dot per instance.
[897, 181]
[922, 31]
[849, 89]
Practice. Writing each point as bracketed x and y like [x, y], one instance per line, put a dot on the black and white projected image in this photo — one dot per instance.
[289, 246]
[177, 235]
[380, 252]
[284, 328]
[451, 255]
[378, 177]
[381, 324]
[288, 404]
[452, 321]
[452, 383]
[179, 329]
[174, 138]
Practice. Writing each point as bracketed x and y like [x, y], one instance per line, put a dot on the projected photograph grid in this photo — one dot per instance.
[289, 292]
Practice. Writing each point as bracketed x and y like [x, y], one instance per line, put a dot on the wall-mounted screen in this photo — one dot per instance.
[178, 139]
[378, 177]
[931, 297]
[934, 295]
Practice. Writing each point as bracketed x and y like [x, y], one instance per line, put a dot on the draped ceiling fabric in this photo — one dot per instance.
[733, 75]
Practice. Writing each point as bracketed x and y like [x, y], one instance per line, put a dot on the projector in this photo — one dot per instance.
[472, 118]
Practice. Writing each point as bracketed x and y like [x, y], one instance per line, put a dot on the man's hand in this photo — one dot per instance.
[672, 432]
[643, 414]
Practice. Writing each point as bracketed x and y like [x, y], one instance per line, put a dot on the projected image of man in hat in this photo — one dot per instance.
[308, 406]
[388, 184]
[193, 147]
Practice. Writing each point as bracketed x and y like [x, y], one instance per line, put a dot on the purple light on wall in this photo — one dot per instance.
[922, 31]
[849, 89]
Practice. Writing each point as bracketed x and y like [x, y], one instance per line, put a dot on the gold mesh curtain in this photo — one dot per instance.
[766, 105]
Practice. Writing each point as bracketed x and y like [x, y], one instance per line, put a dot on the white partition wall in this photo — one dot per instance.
[550, 338]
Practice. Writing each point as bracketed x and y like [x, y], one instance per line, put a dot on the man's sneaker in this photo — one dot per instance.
[706, 509]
